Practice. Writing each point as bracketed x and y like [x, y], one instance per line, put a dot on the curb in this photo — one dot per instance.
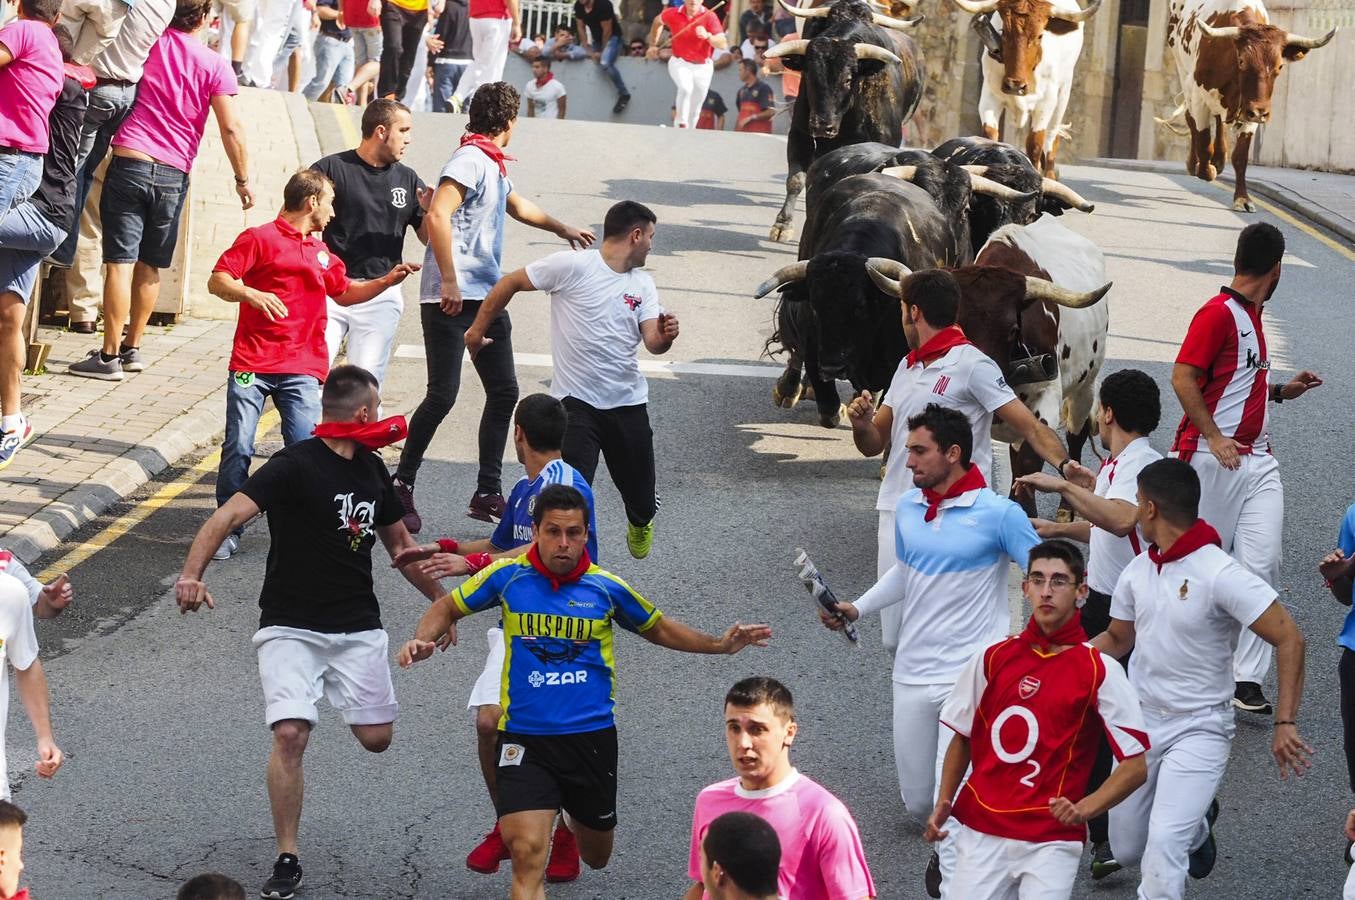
[1283, 197]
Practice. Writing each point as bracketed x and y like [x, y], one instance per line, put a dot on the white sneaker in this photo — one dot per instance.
[229, 547]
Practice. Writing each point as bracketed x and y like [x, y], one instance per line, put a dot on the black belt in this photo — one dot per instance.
[114, 82]
[15, 151]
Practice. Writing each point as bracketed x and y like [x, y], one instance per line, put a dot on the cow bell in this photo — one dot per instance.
[1033, 369]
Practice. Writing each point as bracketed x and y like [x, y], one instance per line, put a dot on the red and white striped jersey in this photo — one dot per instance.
[1226, 341]
[1034, 722]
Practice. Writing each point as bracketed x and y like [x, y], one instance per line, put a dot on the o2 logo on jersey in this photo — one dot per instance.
[399, 197]
[549, 679]
[1021, 755]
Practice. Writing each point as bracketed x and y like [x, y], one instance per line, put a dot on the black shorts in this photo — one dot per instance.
[140, 209]
[573, 772]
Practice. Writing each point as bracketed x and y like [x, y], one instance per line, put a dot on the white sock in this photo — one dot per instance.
[11, 423]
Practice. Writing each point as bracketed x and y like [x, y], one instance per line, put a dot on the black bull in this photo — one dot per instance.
[861, 82]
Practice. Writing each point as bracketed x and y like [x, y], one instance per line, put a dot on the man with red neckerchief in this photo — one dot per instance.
[1030, 712]
[696, 34]
[1180, 607]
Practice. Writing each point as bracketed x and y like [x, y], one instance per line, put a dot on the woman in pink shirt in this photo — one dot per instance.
[147, 179]
[30, 80]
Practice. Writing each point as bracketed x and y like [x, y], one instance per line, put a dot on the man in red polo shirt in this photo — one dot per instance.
[280, 276]
[697, 32]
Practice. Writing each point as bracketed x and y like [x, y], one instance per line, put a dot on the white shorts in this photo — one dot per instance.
[351, 671]
[488, 687]
[988, 867]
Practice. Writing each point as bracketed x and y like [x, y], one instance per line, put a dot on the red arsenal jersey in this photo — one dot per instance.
[1034, 722]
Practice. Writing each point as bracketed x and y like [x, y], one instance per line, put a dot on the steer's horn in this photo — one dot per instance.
[902, 173]
[1063, 192]
[1039, 289]
[816, 12]
[896, 24]
[871, 51]
[975, 170]
[1229, 32]
[1080, 15]
[784, 275]
[1298, 40]
[980, 185]
[976, 7]
[887, 273]
[787, 48]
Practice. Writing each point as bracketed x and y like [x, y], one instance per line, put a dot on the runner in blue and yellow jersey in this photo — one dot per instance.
[557, 744]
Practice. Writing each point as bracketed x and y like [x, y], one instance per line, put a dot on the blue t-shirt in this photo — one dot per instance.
[477, 227]
[1346, 541]
[515, 528]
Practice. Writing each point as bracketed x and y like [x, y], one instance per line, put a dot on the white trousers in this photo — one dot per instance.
[271, 26]
[920, 744]
[1158, 825]
[891, 617]
[1246, 507]
[693, 81]
[996, 868]
[370, 329]
[489, 52]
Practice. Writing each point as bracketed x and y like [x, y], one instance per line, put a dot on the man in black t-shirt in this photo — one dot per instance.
[600, 33]
[376, 198]
[327, 499]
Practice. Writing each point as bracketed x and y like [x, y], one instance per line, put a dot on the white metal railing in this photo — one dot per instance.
[543, 16]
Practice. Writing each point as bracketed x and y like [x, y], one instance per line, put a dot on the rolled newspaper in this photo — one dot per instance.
[820, 591]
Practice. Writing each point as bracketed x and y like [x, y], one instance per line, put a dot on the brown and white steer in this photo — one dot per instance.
[1228, 57]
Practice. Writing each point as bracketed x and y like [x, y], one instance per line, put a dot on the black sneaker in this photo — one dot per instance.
[931, 879]
[621, 103]
[1248, 697]
[1103, 861]
[487, 507]
[1203, 857]
[413, 521]
[286, 879]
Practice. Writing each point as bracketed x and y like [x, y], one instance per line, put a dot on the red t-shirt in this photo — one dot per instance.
[355, 15]
[301, 272]
[686, 44]
[488, 9]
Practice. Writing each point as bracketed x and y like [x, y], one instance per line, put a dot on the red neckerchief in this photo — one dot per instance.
[540, 82]
[556, 580]
[372, 435]
[1201, 534]
[969, 481]
[945, 339]
[82, 74]
[22, 895]
[489, 148]
[1069, 634]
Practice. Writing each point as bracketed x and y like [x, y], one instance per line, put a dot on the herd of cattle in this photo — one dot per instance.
[1031, 288]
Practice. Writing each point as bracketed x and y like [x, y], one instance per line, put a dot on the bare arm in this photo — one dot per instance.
[515, 15]
[1116, 516]
[1127, 777]
[1276, 627]
[362, 291]
[233, 142]
[695, 892]
[1116, 640]
[1041, 436]
[871, 426]
[528, 213]
[1186, 383]
[1079, 530]
[953, 769]
[560, 104]
[669, 632]
[235, 512]
[397, 538]
[31, 685]
[1339, 573]
[531, 109]
[495, 302]
[658, 334]
[652, 44]
[447, 199]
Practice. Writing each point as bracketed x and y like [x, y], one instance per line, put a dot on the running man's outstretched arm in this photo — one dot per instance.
[495, 302]
[528, 213]
[1126, 778]
[362, 291]
[190, 592]
[440, 618]
[669, 632]
[952, 773]
[1277, 628]
[397, 540]
[31, 685]
[1116, 516]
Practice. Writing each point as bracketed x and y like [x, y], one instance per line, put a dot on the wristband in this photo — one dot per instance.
[448, 545]
[1063, 465]
[1286, 722]
[477, 561]
[1277, 393]
[241, 181]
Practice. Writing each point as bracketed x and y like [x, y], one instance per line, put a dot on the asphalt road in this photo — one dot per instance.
[161, 715]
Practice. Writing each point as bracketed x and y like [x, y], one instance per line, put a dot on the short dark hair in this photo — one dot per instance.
[493, 107]
[43, 10]
[211, 886]
[761, 689]
[936, 293]
[1174, 487]
[544, 60]
[625, 217]
[302, 186]
[381, 112]
[558, 496]
[948, 426]
[542, 419]
[190, 14]
[1259, 247]
[749, 66]
[11, 816]
[749, 851]
[346, 389]
[1134, 398]
[1062, 551]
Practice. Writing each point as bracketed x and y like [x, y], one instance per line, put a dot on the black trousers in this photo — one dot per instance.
[401, 31]
[444, 344]
[1346, 672]
[1096, 619]
[626, 442]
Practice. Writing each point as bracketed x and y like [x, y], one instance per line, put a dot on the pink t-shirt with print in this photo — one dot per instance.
[29, 85]
[181, 77]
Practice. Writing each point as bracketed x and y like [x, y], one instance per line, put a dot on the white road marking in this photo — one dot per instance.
[648, 366]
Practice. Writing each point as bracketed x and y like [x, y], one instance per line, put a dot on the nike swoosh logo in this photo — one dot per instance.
[1246, 334]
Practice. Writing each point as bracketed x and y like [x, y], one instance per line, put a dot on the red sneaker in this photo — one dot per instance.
[563, 864]
[485, 858]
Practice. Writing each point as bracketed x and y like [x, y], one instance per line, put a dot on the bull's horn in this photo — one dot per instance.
[871, 51]
[976, 7]
[887, 273]
[784, 275]
[980, 185]
[1038, 289]
[1070, 197]
[975, 170]
[816, 12]
[902, 173]
[896, 24]
[1307, 43]
[1080, 15]
[1229, 32]
[787, 48]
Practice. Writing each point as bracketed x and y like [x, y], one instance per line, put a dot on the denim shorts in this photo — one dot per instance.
[140, 211]
[26, 236]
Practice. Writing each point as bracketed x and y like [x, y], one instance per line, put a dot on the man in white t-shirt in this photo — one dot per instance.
[1180, 607]
[19, 647]
[1131, 407]
[602, 308]
[545, 94]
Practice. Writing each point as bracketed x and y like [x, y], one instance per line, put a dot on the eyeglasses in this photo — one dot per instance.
[1057, 582]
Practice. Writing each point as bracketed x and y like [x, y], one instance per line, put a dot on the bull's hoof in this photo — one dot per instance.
[835, 419]
[1243, 204]
[786, 398]
[1207, 172]
[782, 234]
[808, 393]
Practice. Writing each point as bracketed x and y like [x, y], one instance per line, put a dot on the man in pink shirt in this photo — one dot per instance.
[147, 180]
[821, 853]
[30, 80]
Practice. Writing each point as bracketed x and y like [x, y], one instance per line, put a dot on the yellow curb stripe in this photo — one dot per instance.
[1289, 219]
[124, 524]
[352, 136]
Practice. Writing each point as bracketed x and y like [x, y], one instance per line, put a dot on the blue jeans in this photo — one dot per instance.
[333, 65]
[297, 400]
[26, 236]
[446, 76]
[19, 177]
[108, 106]
[608, 63]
